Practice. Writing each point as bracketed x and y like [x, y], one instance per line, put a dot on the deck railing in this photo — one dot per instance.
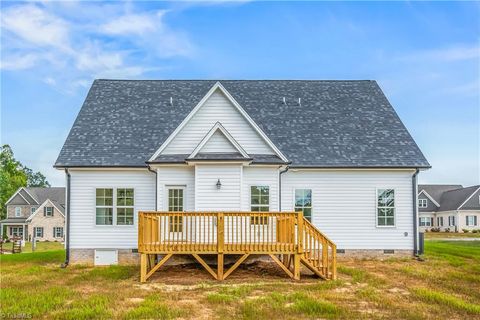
[286, 236]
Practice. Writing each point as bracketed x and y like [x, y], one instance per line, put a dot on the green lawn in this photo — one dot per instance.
[445, 235]
[446, 285]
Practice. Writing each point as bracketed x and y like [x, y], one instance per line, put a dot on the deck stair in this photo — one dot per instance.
[287, 237]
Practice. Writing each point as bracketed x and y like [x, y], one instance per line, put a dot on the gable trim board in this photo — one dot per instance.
[217, 86]
[18, 192]
[42, 206]
[218, 127]
[468, 198]
[429, 197]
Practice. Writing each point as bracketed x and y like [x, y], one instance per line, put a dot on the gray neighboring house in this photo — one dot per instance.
[451, 207]
[35, 212]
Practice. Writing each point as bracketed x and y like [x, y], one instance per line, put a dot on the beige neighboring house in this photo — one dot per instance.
[35, 213]
[448, 207]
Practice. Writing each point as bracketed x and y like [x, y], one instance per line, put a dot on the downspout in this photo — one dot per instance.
[67, 218]
[415, 214]
[280, 188]
[156, 187]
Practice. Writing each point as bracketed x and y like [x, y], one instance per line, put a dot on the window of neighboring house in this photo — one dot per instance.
[303, 202]
[425, 222]
[18, 212]
[48, 211]
[125, 203]
[259, 202]
[451, 221]
[385, 208]
[16, 232]
[58, 232]
[38, 232]
[440, 221]
[175, 204]
[422, 203]
[471, 220]
[104, 206]
[32, 210]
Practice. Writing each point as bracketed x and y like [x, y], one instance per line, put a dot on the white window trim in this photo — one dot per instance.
[114, 205]
[250, 196]
[55, 229]
[422, 203]
[303, 188]
[19, 214]
[451, 221]
[468, 224]
[394, 208]
[124, 207]
[36, 232]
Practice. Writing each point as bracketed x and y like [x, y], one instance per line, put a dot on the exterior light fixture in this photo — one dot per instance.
[219, 184]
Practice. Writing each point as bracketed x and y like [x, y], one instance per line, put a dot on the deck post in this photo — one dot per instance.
[296, 266]
[143, 267]
[220, 244]
[298, 254]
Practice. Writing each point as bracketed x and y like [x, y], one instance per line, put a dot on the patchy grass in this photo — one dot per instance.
[452, 235]
[446, 285]
[43, 246]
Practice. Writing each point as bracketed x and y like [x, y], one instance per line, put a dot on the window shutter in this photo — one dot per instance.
[466, 220]
[44, 211]
[474, 220]
[53, 231]
[431, 222]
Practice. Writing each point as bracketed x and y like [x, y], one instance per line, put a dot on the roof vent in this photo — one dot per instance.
[171, 101]
[284, 101]
[299, 101]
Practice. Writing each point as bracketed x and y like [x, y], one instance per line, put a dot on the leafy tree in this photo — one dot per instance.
[14, 175]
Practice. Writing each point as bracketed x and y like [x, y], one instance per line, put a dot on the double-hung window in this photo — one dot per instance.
[125, 206]
[451, 221]
[471, 220]
[303, 202]
[175, 204]
[439, 221]
[18, 212]
[385, 207]
[425, 221]
[39, 232]
[104, 206]
[48, 211]
[422, 203]
[58, 232]
[32, 210]
[17, 232]
[259, 202]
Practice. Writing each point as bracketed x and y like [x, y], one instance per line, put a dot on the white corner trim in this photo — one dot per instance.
[429, 197]
[218, 126]
[470, 197]
[41, 207]
[219, 86]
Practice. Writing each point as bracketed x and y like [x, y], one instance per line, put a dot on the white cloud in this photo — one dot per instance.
[15, 62]
[455, 53]
[36, 26]
[50, 81]
[133, 24]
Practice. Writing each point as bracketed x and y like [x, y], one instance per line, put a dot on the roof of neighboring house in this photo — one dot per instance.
[40, 194]
[436, 190]
[336, 124]
[453, 199]
[13, 220]
[449, 196]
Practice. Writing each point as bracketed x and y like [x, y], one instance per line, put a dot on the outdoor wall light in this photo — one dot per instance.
[219, 184]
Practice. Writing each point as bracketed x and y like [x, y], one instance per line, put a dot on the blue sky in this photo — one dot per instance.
[425, 56]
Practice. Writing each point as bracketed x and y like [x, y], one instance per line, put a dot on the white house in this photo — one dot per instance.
[335, 150]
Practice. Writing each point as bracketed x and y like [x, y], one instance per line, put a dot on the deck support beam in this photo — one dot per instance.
[235, 266]
[205, 265]
[284, 268]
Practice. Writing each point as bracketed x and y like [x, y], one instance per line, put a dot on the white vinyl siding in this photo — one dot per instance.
[217, 109]
[208, 197]
[84, 233]
[346, 209]
[176, 176]
[260, 176]
[218, 143]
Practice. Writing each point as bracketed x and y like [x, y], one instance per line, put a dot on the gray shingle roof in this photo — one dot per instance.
[451, 200]
[55, 194]
[338, 124]
[436, 190]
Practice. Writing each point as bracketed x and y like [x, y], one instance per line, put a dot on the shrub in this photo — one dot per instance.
[435, 229]
[466, 230]
[476, 231]
[447, 230]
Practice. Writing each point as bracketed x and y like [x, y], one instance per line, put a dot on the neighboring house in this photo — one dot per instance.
[451, 207]
[334, 149]
[35, 213]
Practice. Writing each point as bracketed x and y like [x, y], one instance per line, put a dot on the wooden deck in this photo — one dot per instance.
[287, 237]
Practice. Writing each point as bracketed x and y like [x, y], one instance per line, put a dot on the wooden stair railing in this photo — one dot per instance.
[287, 237]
